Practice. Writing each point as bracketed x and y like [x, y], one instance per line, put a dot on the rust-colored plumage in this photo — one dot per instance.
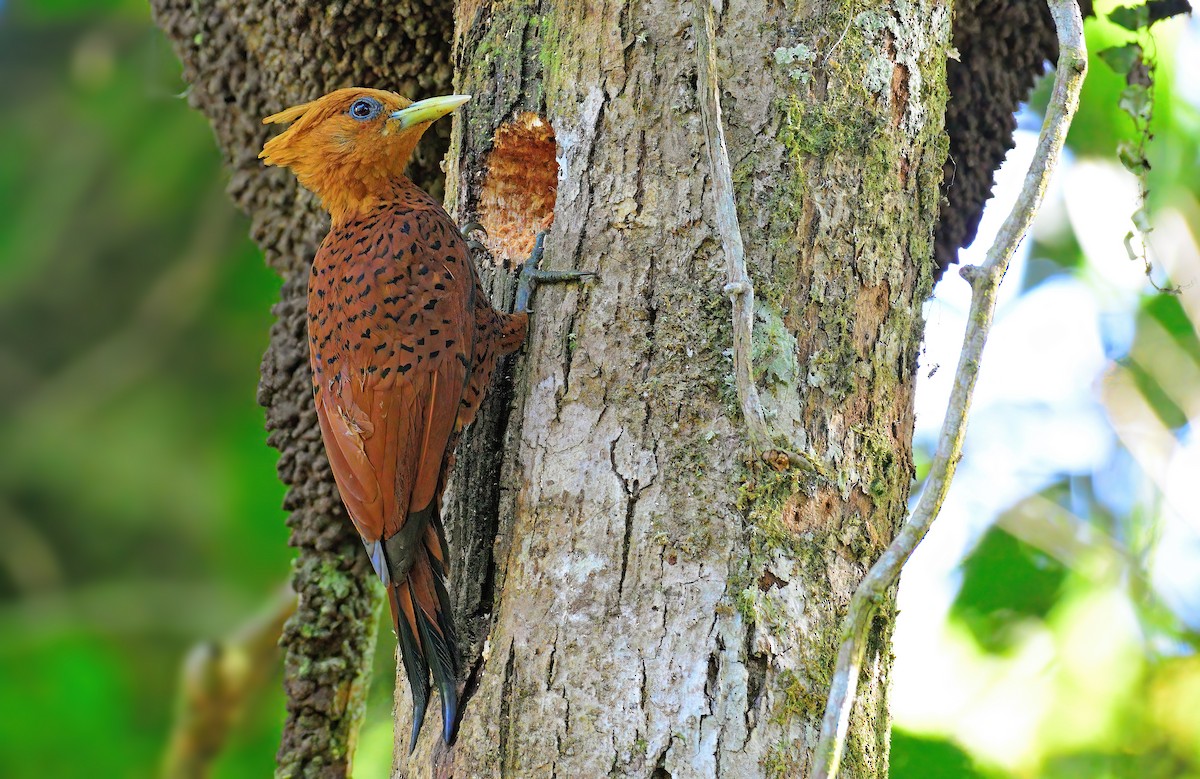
[403, 341]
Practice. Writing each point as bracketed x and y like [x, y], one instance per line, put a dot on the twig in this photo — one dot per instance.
[218, 679]
[737, 282]
[985, 281]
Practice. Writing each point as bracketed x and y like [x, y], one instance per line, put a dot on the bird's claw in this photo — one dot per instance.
[531, 275]
[473, 244]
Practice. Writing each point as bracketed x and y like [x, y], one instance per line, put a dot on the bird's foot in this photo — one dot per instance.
[532, 275]
[473, 244]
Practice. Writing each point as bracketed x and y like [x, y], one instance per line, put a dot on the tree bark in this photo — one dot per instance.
[635, 600]
[658, 608]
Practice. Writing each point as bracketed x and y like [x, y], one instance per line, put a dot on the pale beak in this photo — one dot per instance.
[427, 110]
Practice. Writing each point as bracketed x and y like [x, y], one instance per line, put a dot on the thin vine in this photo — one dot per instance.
[1137, 61]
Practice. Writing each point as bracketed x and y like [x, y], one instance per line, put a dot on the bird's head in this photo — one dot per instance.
[350, 145]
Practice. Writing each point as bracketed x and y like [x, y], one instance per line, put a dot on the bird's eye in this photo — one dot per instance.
[365, 109]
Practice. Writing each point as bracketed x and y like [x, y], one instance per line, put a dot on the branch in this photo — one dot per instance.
[985, 281]
[737, 282]
[218, 679]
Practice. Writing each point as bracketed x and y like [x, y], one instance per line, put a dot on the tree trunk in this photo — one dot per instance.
[635, 600]
[655, 607]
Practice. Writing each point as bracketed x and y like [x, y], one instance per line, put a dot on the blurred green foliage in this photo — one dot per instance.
[138, 504]
[1005, 582]
[1076, 667]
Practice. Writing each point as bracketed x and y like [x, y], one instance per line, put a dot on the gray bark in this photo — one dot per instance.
[657, 607]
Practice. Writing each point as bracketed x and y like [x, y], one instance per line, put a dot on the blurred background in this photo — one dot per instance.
[1049, 625]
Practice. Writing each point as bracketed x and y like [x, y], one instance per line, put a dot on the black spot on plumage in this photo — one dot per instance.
[361, 278]
[405, 228]
[435, 245]
[449, 343]
[366, 333]
[434, 353]
[321, 293]
[422, 269]
[351, 319]
[372, 368]
[384, 373]
[439, 286]
[412, 320]
[394, 317]
[429, 306]
[366, 291]
[331, 360]
[420, 342]
[380, 348]
[371, 311]
[406, 348]
[391, 299]
[405, 368]
[395, 279]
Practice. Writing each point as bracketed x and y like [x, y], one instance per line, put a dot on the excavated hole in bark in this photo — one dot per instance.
[517, 199]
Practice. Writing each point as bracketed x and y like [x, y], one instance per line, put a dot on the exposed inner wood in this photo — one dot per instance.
[517, 199]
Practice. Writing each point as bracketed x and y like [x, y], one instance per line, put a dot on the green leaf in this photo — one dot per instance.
[1136, 101]
[916, 756]
[1141, 220]
[1122, 58]
[1132, 158]
[1130, 250]
[1131, 17]
[1005, 582]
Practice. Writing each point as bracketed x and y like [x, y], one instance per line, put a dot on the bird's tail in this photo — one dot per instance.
[425, 629]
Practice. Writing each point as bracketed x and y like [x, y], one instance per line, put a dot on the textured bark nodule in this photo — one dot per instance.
[1003, 47]
[657, 608]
